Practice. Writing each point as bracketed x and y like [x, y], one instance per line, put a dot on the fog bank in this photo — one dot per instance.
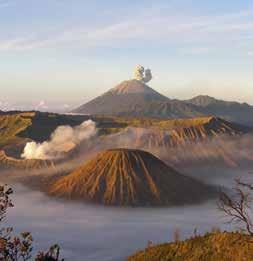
[94, 233]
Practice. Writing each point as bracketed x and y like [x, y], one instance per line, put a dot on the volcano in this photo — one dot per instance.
[134, 98]
[128, 96]
[129, 177]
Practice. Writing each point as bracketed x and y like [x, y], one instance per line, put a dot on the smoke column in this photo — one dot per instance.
[62, 140]
[142, 75]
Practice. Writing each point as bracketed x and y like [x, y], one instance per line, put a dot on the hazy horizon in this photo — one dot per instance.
[56, 55]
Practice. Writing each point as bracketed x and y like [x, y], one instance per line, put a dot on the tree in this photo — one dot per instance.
[237, 206]
[19, 248]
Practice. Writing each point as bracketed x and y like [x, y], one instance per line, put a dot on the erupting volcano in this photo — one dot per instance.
[129, 177]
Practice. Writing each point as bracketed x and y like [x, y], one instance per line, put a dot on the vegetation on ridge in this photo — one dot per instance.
[222, 246]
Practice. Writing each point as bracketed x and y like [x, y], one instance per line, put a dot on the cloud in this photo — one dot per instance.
[42, 105]
[196, 50]
[159, 27]
[17, 44]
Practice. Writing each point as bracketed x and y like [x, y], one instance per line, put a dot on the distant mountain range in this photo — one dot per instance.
[134, 98]
[232, 111]
[172, 133]
[17, 129]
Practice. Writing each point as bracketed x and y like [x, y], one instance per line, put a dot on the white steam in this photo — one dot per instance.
[141, 74]
[62, 140]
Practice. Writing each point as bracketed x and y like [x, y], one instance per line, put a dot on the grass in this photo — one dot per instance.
[222, 246]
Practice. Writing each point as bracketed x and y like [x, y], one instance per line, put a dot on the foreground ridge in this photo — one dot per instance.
[220, 246]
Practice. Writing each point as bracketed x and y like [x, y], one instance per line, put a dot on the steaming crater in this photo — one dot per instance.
[63, 140]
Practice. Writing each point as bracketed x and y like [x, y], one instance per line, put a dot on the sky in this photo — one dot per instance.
[58, 54]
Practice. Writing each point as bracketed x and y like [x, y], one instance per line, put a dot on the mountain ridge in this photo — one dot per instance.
[229, 110]
[134, 98]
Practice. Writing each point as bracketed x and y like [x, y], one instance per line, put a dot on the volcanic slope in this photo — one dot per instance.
[129, 177]
[136, 99]
[133, 98]
[9, 163]
[171, 133]
[127, 96]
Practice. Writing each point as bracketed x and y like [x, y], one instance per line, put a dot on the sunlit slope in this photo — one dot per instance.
[129, 177]
[210, 247]
[11, 126]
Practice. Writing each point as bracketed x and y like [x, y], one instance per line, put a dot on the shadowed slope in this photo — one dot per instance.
[231, 111]
[129, 177]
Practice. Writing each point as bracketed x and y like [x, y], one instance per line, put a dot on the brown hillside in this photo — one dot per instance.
[173, 133]
[129, 177]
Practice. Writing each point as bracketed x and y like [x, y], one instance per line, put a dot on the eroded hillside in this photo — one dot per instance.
[129, 177]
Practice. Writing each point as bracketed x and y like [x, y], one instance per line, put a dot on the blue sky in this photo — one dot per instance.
[59, 53]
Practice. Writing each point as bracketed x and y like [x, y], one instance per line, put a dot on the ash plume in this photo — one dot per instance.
[63, 139]
[148, 76]
[142, 75]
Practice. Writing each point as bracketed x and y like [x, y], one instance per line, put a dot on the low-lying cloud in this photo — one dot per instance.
[63, 139]
[230, 151]
[81, 229]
